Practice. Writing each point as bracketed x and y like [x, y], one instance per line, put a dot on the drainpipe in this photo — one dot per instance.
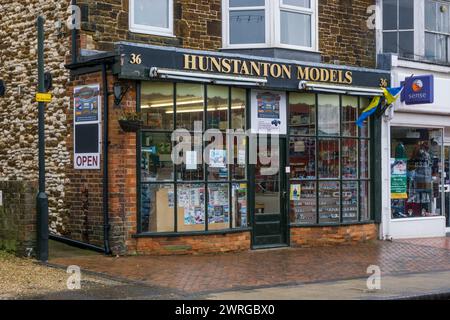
[74, 40]
[106, 226]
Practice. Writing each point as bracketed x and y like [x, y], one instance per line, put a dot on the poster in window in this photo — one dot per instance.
[398, 178]
[217, 158]
[268, 112]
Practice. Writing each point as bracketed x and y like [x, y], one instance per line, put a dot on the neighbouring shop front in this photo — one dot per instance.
[417, 143]
[270, 152]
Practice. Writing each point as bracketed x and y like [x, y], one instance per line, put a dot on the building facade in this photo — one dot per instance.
[194, 73]
[413, 44]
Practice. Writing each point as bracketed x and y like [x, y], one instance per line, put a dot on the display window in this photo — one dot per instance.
[416, 172]
[330, 166]
[205, 192]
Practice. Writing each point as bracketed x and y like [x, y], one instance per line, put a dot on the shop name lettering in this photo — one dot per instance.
[265, 69]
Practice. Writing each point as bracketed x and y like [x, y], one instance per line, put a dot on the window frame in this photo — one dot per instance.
[205, 182]
[438, 33]
[272, 17]
[359, 179]
[151, 30]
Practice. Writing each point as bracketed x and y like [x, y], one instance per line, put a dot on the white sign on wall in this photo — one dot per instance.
[87, 128]
[268, 112]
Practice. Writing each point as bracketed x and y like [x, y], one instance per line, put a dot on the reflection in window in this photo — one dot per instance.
[296, 29]
[437, 30]
[217, 107]
[189, 105]
[252, 21]
[328, 115]
[302, 114]
[157, 207]
[328, 158]
[157, 105]
[156, 157]
[349, 116]
[416, 165]
[302, 157]
[238, 99]
[349, 158]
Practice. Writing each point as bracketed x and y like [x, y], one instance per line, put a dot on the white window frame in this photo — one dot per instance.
[272, 18]
[419, 27]
[139, 28]
[446, 34]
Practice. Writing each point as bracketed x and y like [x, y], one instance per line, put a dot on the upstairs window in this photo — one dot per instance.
[151, 17]
[437, 31]
[398, 27]
[265, 23]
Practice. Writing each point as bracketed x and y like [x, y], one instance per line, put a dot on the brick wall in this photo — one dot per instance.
[18, 217]
[197, 24]
[198, 244]
[85, 187]
[325, 236]
[344, 37]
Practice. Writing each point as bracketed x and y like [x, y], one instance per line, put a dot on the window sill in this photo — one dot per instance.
[417, 218]
[152, 32]
[191, 233]
[266, 46]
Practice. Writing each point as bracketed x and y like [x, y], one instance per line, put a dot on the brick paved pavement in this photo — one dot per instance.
[214, 273]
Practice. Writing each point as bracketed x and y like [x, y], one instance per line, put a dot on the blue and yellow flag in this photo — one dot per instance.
[392, 94]
[367, 112]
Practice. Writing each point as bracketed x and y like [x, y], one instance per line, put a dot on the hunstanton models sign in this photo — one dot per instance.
[136, 61]
[265, 69]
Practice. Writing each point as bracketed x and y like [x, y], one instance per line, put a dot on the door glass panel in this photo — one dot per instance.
[267, 176]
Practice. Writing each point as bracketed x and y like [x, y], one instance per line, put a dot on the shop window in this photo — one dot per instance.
[416, 172]
[329, 167]
[279, 23]
[151, 17]
[437, 30]
[204, 192]
[398, 27]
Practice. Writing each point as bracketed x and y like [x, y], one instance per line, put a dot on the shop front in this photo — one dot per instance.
[416, 152]
[238, 152]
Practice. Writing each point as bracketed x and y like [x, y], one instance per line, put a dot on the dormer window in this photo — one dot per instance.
[264, 23]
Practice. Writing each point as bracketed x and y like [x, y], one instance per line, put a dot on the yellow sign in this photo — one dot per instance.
[43, 97]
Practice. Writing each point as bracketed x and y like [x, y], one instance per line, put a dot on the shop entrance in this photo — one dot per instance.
[270, 196]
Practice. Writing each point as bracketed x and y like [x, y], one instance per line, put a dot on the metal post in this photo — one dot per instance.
[42, 199]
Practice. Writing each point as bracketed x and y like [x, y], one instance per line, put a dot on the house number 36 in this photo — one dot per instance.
[135, 59]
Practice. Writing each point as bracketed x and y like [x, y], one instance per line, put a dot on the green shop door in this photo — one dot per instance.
[270, 196]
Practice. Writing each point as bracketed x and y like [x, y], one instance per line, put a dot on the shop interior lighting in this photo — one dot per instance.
[205, 77]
